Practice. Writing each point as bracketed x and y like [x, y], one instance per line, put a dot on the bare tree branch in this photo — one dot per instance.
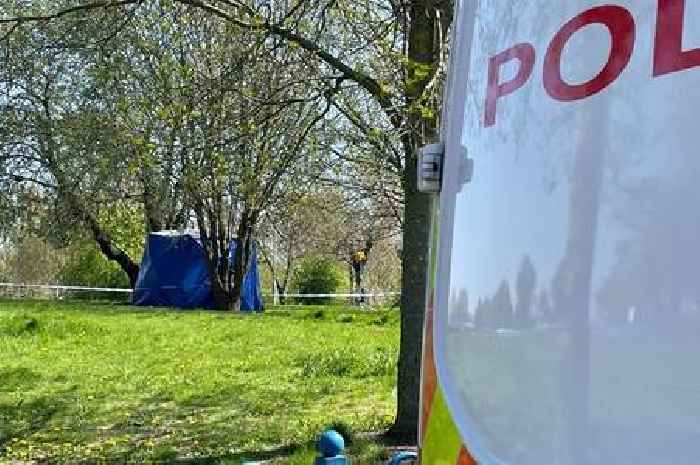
[68, 11]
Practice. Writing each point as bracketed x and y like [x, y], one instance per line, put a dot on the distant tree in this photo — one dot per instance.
[317, 275]
[30, 259]
[560, 304]
[383, 270]
[459, 307]
[313, 224]
[544, 306]
[481, 314]
[525, 290]
[502, 307]
[329, 220]
[56, 138]
[496, 312]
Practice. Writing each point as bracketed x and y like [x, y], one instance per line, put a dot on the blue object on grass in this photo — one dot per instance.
[251, 295]
[331, 445]
[174, 273]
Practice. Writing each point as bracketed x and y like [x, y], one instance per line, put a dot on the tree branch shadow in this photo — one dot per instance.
[24, 418]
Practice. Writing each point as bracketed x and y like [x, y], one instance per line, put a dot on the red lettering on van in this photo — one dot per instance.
[669, 56]
[620, 23]
[525, 53]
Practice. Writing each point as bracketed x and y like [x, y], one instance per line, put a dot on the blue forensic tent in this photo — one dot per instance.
[174, 273]
[251, 296]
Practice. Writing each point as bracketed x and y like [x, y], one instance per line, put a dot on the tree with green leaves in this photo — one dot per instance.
[56, 139]
[390, 54]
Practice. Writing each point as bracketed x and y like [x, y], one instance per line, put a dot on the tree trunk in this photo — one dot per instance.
[241, 261]
[152, 215]
[219, 295]
[237, 275]
[423, 49]
[280, 290]
[106, 244]
[413, 293]
[112, 252]
[584, 207]
[351, 276]
[217, 264]
[273, 276]
[241, 265]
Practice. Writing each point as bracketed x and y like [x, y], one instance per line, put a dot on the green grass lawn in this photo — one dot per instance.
[97, 383]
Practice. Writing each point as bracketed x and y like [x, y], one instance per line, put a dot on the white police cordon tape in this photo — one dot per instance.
[65, 288]
[325, 296]
[130, 291]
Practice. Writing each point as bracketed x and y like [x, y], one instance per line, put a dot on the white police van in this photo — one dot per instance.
[564, 320]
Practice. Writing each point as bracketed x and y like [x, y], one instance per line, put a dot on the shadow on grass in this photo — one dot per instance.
[204, 442]
[254, 456]
[168, 456]
[16, 379]
[24, 419]
[21, 419]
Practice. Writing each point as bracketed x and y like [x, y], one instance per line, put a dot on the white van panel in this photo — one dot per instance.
[568, 313]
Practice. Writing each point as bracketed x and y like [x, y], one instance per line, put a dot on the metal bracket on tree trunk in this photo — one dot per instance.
[431, 159]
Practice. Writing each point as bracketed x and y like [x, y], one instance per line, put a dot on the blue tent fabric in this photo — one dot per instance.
[251, 296]
[174, 273]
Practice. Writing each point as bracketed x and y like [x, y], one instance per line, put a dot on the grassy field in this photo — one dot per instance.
[98, 383]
